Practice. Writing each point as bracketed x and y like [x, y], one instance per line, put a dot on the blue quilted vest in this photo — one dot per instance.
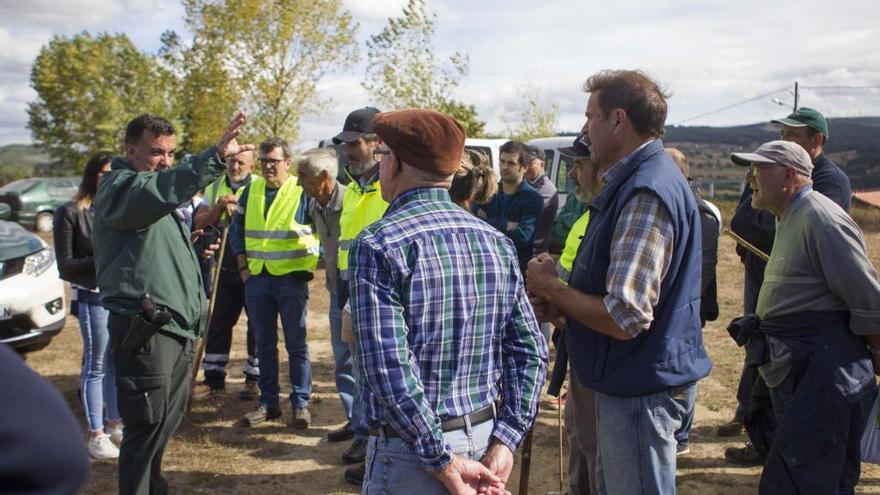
[670, 353]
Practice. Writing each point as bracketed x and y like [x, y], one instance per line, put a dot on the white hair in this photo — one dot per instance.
[317, 160]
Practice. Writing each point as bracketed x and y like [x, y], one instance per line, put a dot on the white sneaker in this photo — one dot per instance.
[102, 449]
[115, 434]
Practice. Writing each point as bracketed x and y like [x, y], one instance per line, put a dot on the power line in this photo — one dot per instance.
[728, 107]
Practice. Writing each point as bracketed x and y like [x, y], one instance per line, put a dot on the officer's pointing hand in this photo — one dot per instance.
[228, 146]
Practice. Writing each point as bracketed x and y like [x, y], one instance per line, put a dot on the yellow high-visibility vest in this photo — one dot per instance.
[220, 188]
[277, 241]
[360, 208]
[572, 243]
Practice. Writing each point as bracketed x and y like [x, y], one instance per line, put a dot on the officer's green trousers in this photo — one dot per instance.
[152, 387]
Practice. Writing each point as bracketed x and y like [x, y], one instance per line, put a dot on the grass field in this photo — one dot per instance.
[210, 455]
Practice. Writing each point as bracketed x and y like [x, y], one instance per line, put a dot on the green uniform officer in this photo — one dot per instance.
[142, 247]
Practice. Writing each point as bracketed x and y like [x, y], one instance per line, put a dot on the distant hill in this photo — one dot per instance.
[18, 161]
[854, 145]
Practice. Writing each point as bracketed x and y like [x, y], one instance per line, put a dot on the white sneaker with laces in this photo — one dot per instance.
[115, 434]
[102, 449]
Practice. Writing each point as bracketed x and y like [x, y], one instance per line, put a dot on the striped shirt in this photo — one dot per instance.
[442, 324]
[641, 252]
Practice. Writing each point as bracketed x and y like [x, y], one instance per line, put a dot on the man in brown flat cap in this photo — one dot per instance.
[440, 317]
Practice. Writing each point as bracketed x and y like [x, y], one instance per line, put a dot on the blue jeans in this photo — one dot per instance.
[683, 434]
[268, 296]
[393, 467]
[98, 377]
[344, 370]
[637, 441]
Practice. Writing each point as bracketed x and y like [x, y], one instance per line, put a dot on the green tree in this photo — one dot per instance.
[535, 120]
[404, 71]
[266, 56]
[88, 88]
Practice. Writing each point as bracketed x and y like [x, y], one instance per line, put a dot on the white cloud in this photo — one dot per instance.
[709, 53]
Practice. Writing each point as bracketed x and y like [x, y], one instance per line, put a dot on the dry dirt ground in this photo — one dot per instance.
[211, 455]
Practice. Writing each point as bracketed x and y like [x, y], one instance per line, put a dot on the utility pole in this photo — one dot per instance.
[795, 97]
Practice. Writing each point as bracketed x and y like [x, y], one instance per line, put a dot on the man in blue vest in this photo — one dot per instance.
[633, 301]
[276, 250]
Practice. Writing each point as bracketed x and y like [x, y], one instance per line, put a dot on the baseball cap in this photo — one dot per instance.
[536, 152]
[779, 152]
[806, 117]
[580, 148]
[357, 124]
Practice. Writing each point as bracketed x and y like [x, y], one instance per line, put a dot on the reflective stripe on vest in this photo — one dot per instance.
[572, 243]
[360, 208]
[277, 241]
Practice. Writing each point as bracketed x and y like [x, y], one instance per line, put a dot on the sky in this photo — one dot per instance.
[708, 54]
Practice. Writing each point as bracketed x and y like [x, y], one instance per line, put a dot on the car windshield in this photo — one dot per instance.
[19, 186]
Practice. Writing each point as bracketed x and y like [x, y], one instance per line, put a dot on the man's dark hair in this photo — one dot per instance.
[634, 92]
[160, 126]
[275, 142]
[518, 148]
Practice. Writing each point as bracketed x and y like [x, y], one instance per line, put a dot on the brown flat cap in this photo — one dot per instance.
[426, 139]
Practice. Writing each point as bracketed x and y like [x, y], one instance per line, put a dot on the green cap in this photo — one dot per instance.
[806, 117]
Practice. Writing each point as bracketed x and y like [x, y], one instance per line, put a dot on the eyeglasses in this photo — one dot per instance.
[271, 161]
[379, 153]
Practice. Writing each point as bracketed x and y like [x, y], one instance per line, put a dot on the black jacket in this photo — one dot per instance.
[73, 245]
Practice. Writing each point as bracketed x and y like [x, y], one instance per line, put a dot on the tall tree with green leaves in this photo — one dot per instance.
[88, 88]
[536, 120]
[405, 72]
[266, 56]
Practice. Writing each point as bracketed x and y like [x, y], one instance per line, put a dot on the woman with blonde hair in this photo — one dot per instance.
[475, 180]
[73, 252]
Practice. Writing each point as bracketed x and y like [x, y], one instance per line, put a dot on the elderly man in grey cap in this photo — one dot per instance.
[817, 327]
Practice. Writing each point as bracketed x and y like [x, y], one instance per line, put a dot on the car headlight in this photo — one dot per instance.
[39, 262]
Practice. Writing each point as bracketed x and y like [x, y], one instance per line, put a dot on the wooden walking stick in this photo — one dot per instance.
[744, 243]
[559, 426]
[526, 463]
[204, 340]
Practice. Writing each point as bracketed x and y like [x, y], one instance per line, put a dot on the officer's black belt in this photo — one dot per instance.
[451, 424]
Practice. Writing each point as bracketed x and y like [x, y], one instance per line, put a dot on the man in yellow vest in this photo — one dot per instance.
[221, 200]
[580, 415]
[362, 204]
[276, 250]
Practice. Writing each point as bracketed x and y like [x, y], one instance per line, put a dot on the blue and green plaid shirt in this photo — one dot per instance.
[442, 324]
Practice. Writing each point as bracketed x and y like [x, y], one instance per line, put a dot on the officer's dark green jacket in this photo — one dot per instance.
[141, 245]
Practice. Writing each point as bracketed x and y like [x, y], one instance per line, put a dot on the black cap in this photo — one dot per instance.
[580, 148]
[356, 125]
[536, 152]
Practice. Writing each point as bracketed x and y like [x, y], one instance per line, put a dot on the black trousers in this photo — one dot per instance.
[227, 309]
[152, 388]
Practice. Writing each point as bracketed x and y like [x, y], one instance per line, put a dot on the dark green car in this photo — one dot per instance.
[32, 202]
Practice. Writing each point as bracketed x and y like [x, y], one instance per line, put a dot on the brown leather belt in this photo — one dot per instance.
[456, 423]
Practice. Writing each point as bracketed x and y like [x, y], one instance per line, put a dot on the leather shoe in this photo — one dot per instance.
[744, 456]
[202, 391]
[342, 434]
[249, 392]
[261, 414]
[356, 453]
[302, 418]
[355, 474]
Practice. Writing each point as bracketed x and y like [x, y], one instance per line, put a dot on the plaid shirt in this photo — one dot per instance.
[641, 251]
[442, 324]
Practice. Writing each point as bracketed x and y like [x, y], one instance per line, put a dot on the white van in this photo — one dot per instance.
[488, 147]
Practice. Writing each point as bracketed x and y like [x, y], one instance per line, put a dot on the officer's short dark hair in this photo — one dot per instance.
[275, 142]
[518, 148]
[160, 126]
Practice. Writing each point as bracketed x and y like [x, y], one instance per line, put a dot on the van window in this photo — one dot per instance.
[563, 181]
[484, 150]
